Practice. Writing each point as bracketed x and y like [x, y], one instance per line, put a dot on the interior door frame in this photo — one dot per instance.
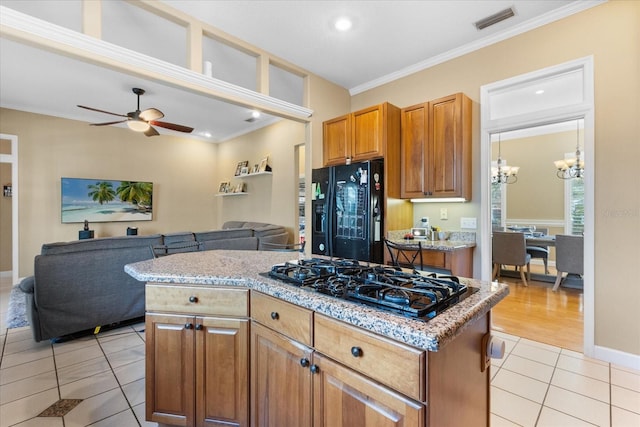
[581, 110]
[15, 240]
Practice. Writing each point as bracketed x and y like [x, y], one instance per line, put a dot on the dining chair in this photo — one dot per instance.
[405, 255]
[569, 256]
[509, 248]
[540, 252]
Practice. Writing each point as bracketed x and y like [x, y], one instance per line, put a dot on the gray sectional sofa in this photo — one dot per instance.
[80, 285]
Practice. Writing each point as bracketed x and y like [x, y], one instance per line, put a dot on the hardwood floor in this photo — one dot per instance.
[537, 313]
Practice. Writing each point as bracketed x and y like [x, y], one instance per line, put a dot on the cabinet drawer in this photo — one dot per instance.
[435, 258]
[396, 365]
[197, 300]
[288, 319]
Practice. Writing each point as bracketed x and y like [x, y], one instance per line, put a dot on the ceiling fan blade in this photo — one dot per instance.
[101, 111]
[151, 132]
[107, 123]
[151, 114]
[172, 126]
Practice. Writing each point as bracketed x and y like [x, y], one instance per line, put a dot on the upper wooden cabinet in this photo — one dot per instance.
[436, 149]
[363, 135]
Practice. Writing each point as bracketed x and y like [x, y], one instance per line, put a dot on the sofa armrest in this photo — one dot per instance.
[28, 284]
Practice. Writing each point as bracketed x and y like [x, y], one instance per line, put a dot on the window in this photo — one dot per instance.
[574, 206]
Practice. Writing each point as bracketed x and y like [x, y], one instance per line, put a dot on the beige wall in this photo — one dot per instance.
[610, 32]
[271, 198]
[539, 194]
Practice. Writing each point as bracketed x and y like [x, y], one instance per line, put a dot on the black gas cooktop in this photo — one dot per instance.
[413, 294]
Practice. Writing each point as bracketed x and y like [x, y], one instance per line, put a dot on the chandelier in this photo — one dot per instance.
[572, 167]
[501, 173]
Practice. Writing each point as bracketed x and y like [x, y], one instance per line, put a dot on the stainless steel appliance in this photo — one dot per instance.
[348, 211]
[414, 294]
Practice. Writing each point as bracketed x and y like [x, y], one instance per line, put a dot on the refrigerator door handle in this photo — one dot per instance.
[330, 207]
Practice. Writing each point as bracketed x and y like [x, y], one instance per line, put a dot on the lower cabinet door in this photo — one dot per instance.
[222, 372]
[281, 390]
[344, 398]
[170, 369]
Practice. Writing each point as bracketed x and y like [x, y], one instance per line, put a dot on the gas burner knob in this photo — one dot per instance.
[193, 298]
[356, 351]
[304, 362]
[275, 315]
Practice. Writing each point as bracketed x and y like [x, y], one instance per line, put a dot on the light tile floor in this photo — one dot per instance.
[535, 384]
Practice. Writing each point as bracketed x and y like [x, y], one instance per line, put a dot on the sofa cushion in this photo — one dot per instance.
[268, 230]
[245, 243]
[181, 237]
[229, 233]
[101, 243]
[233, 224]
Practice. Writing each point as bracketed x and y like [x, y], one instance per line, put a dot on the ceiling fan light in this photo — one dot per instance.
[138, 125]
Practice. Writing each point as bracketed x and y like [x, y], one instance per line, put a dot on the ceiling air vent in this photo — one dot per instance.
[495, 18]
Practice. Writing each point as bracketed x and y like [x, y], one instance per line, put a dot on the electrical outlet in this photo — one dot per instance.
[468, 223]
[443, 213]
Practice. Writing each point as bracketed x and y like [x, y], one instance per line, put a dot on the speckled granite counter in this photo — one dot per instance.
[242, 268]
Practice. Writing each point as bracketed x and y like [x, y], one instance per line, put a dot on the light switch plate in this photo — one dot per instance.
[443, 213]
[468, 223]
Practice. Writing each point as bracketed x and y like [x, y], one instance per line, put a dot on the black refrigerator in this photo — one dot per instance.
[347, 215]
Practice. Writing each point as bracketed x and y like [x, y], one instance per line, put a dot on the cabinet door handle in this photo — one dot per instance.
[275, 315]
[304, 362]
[188, 325]
[315, 369]
[193, 298]
[199, 327]
[356, 351]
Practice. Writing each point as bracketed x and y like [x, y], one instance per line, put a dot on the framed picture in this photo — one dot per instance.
[263, 165]
[224, 187]
[256, 168]
[241, 165]
[239, 188]
[100, 200]
[244, 170]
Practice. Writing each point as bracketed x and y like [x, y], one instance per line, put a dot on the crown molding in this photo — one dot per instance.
[26, 28]
[560, 13]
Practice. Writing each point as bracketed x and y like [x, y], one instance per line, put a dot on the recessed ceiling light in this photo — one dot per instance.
[343, 24]
[539, 92]
[255, 114]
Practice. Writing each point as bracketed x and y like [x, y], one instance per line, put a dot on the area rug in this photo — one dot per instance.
[16, 312]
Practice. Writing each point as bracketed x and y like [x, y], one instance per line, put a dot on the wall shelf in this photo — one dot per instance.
[251, 175]
[244, 193]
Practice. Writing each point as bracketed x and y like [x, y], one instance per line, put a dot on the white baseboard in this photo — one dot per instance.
[617, 357]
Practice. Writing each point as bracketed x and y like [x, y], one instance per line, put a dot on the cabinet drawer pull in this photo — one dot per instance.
[193, 298]
[356, 351]
[315, 369]
[304, 362]
[199, 327]
[275, 315]
[188, 325]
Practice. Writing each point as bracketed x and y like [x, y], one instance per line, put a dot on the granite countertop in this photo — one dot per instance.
[456, 240]
[242, 268]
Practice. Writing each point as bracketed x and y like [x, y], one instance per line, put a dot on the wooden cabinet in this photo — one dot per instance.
[362, 135]
[281, 393]
[458, 261]
[436, 149]
[280, 364]
[344, 398]
[197, 369]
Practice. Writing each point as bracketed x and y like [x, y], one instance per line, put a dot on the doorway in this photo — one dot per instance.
[551, 95]
[9, 205]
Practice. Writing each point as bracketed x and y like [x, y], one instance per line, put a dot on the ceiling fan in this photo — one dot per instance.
[141, 121]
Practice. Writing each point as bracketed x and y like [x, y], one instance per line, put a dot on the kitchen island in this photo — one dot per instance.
[239, 348]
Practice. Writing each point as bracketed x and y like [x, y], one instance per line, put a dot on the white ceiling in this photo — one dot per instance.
[389, 39]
